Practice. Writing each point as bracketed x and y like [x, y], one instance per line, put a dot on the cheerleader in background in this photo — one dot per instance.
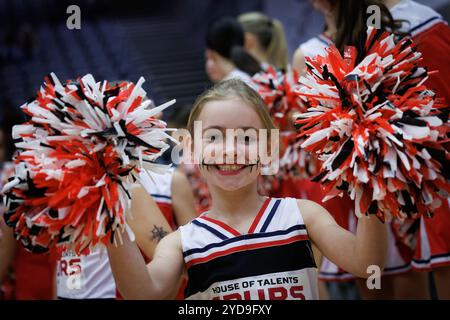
[265, 39]
[432, 36]
[23, 275]
[7, 241]
[341, 18]
[317, 44]
[226, 57]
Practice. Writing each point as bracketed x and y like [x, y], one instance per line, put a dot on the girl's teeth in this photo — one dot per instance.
[229, 167]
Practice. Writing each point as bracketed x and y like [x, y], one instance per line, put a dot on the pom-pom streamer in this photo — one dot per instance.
[377, 129]
[79, 155]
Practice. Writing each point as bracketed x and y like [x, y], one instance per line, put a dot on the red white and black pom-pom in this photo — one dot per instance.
[296, 162]
[277, 88]
[79, 155]
[377, 129]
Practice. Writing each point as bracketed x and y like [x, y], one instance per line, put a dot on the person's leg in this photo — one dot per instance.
[442, 282]
[386, 291]
[433, 249]
[323, 291]
[411, 285]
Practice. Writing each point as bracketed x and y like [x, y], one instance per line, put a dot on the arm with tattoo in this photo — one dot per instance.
[158, 233]
[145, 221]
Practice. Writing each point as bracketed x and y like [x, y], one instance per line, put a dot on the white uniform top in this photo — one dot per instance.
[241, 75]
[315, 46]
[85, 277]
[90, 276]
[274, 260]
[418, 17]
[159, 186]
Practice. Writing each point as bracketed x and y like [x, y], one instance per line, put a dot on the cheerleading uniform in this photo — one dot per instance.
[90, 276]
[35, 275]
[159, 186]
[85, 276]
[315, 46]
[431, 34]
[433, 242]
[240, 75]
[274, 260]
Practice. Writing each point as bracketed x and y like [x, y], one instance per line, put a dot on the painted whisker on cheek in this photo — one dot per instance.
[204, 165]
[257, 163]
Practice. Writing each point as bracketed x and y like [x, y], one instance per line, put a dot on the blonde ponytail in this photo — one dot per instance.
[270, 35]
[278, 50]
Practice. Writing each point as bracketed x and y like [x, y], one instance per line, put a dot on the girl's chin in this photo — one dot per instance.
[231, 188]
[232, 183]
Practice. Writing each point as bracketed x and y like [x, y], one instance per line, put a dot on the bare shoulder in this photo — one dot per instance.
[298, 54]
[312, 211]
[298, 60]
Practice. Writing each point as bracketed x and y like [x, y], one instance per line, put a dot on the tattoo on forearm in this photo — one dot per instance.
[158, 233]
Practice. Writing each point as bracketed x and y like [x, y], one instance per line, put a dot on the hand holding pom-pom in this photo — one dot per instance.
[376, 127]
[79, 155]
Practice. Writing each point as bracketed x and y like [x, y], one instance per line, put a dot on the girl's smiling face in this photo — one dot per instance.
[233, 165]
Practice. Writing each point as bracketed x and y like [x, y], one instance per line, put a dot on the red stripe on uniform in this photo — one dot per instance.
[244, 247]
[259, 216]
[222, 224]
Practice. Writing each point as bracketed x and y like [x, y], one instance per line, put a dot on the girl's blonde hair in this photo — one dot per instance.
[270, 35]
[227, 90]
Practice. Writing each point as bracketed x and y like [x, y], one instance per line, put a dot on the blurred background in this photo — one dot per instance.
[164, 41]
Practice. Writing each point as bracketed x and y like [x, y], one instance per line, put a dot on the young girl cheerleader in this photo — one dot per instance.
[432, 35]
[247, 246]
[266, 41]
[226, 57]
